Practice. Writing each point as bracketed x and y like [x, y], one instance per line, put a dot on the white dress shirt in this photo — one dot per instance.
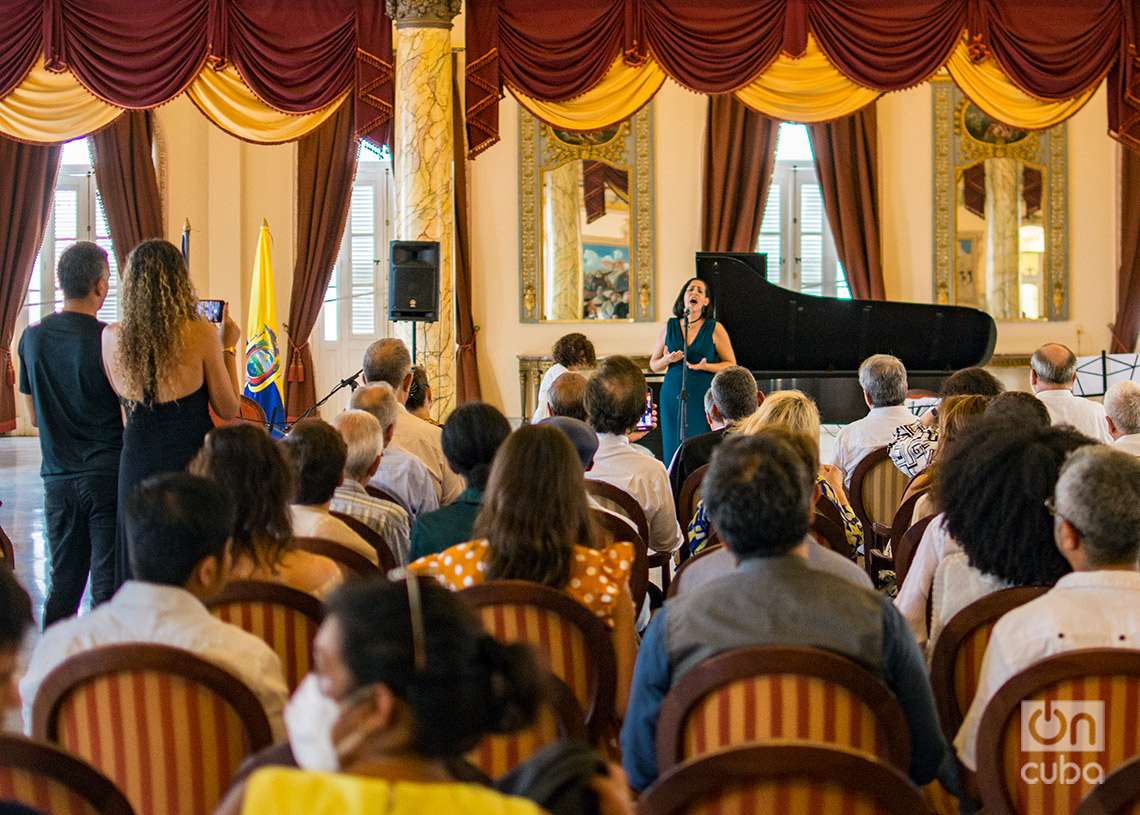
[314, 521]
[388, 519]
[1085, 415]
[1128, 444]
[1098, 609]
[422, 440]
[162, 615]
[617, 462]
[407, 479]
[956, 585]
[541, 410]
[935, 546]
[859, 438]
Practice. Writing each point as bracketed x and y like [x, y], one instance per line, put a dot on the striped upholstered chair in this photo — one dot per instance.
[1021, 769]
[285, 618]
[44, 778]
[572, 643]
[1118, 795]
[765, 693]
[167, 727]
[783, 778]
[877, 487]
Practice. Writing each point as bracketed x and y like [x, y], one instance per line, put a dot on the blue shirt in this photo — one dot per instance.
[408, 480]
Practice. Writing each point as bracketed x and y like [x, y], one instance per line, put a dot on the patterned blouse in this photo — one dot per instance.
[596, 577]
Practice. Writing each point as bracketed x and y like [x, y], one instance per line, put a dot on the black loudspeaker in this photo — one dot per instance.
[413, 281]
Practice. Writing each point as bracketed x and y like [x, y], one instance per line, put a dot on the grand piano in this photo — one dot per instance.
[815, 344]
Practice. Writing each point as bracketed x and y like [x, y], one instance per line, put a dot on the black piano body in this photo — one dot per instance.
[816, 344]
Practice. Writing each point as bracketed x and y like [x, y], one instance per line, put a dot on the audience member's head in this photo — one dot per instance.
[574, 351]
[584, 439]
[419, 392]
[245, 460]
[388, 360]
[317, 454]
[615, 396]
[1122, 405]
[758, 493]
[883, 379]
[15, 620]
[1052, 366]
[992, 484]
[1019, 407]
[955, 413]
[1097, 502]
[734, 393]
[971, 382]
[471, 436]
[178, 526]
[427, 680]
[379, 400]
[364, 441]
[567, 396]
[711, 413]
[534, 509]
[791, 410]
[81, 266]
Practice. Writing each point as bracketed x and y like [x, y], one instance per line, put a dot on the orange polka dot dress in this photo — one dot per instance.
[596, 577]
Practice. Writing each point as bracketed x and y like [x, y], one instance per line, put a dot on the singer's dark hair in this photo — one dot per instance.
[679, 305]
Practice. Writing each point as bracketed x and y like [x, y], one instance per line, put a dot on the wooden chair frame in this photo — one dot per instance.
[623, 530]
[686, 784]
[764, 660]
[41, 758]
[690, 494]
[872, 539]
[675, 584]
[374, 539]
[636, 513]
[599, 647]
[959, 627]
[1117, 795]
[900, 523]
[341, 554]
[906, 547]
[1006, 703]
[376, 492]
[826, 533]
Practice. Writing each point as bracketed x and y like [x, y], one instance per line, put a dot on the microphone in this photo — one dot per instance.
[687, 310]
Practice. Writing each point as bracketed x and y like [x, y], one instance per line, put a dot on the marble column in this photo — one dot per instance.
[561, 247]
[1003, 231]
[422, 158]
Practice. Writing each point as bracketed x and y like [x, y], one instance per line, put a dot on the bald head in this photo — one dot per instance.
[380, 401]
[1122, 404]
[364, 438]
[1053, 366]
[388, 360]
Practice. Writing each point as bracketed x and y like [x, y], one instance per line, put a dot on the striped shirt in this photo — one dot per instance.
[388, 519]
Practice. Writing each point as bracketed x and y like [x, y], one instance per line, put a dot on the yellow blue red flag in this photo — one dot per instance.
[263, 379]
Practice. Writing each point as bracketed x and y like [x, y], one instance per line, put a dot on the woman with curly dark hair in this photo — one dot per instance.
[572, 352]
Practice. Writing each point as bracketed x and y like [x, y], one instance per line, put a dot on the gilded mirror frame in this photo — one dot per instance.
[632, 149]
[955, 151]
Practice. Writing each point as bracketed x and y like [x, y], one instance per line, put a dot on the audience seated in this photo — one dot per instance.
[420, 398]
[535, 525]
[914, 445]
[471, 436]
[178, 527]
[400, 474]
[759, 495]
[244, 460]
[734, 398]
[883, 379]
[365, 441]
[388, 360]
[410, 682]
[615, 400]
[1096, 526]
[1122, 410]
[567, 396]
[1052, 374]
[954, 414]
[1019, 407]
[571, 352]
[318, 454]
[15, 620]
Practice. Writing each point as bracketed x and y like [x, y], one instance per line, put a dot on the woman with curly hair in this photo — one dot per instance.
[168, 366]
[571, 352]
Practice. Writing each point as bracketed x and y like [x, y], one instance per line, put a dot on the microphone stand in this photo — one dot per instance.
[684, 397]
[344, 383]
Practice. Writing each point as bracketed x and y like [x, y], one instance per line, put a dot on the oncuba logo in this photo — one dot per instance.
[1062, 727]
[262, 361]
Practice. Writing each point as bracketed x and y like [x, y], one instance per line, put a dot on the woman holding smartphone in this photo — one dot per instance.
[168, 366]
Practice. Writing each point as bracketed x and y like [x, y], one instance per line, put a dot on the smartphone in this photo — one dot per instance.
[646, 420]
[212, 309]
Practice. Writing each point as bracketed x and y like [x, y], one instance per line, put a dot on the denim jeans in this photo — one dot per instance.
[79, 515]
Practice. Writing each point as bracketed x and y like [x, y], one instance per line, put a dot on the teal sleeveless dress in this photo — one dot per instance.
[669, 408]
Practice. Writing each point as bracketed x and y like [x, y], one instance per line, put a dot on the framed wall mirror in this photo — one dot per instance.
[586, 222]
[1001, 203]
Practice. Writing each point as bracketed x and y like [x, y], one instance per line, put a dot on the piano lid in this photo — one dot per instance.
[775, 330]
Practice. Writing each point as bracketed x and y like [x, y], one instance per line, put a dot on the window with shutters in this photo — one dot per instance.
[794, 232]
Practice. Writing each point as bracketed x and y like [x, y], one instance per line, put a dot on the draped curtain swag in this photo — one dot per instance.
[326, 166]
[27, 184]
[466, 360]
[1025, 63]
[128, 184]
[1127, 323]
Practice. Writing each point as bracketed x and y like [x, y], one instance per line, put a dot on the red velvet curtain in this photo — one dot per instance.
[740, 153]
[596, 176]
[466, 361]
[846, 161]
[27, 183]
[326, 165]
[128, 185]
[1127, 323]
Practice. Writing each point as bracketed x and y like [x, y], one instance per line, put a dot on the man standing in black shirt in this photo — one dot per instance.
[67, 396]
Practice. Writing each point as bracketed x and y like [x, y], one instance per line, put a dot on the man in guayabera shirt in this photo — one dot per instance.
[67, 396]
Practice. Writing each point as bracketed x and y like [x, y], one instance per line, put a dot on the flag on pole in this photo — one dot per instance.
[263, 381]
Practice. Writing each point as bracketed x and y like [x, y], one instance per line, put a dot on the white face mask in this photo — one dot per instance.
[309, 719]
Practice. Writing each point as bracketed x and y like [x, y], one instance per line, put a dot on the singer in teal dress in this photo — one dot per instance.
[709, 351]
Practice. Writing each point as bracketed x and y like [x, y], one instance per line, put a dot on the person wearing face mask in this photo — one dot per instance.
[405, 681]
